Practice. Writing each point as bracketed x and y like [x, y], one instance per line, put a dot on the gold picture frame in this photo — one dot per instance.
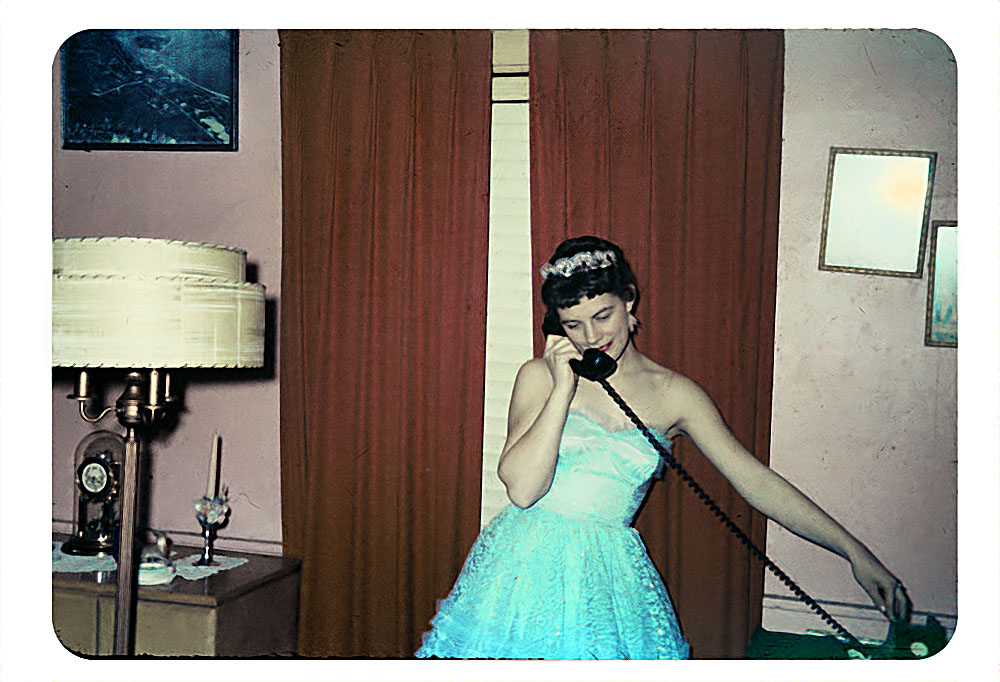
[876, 211]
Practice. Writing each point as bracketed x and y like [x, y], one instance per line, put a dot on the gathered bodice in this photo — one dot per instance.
[601, 474]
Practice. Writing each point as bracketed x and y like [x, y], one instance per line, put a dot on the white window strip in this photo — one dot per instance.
[510, 50]
[510, 89]
[508, 298]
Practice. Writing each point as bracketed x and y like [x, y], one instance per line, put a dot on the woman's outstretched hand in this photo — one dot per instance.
[885, 589]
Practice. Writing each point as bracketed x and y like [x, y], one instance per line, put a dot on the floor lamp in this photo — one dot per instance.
[147, 306]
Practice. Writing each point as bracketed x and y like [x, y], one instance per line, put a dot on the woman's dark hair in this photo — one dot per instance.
[566, 292]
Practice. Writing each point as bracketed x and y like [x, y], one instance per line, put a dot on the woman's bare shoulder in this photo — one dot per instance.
[533, 377]
[534, 369]
[656, 397]
[670, 386]
[660, 377]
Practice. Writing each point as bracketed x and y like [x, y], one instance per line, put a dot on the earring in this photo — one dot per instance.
[633, 322]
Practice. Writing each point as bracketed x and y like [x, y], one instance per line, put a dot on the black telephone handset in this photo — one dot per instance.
[595, 365]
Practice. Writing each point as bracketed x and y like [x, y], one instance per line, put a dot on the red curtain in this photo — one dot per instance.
[668, 143]
[385, 146]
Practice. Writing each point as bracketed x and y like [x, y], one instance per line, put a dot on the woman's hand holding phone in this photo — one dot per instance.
[559, 350]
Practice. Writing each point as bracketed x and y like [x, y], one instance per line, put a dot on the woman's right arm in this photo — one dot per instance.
[539, 404]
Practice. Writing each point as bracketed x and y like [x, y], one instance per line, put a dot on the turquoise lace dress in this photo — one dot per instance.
[567, 578]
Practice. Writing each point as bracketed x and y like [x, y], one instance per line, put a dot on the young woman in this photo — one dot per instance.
[560, 573]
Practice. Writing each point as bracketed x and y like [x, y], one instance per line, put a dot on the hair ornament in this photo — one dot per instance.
[578, 262]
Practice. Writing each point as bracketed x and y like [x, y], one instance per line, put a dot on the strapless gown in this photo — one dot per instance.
[568, 577]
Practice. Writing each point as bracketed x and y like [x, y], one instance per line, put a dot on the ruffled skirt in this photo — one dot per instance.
[539, 584]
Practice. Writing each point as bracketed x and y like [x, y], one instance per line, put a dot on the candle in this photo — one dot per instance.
[213, 469]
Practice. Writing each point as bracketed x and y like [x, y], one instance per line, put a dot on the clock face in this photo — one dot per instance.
[94, 477]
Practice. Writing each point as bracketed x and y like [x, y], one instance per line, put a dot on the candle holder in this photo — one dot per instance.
[211, 513]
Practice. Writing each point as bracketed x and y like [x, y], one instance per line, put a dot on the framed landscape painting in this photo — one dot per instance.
[149, 89]
[942, 286]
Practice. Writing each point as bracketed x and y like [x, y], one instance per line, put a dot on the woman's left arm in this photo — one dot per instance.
[776, 498]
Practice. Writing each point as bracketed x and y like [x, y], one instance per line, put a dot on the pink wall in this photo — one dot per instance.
[229, 198]
[864, 414]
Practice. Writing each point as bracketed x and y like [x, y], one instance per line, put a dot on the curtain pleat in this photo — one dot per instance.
[668, 143]
[385, 167]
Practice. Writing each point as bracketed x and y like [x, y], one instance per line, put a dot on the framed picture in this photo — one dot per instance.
[150, 90]
[876, 211]
[942, 286]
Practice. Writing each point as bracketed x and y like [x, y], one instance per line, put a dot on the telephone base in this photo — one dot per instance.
[904, 642]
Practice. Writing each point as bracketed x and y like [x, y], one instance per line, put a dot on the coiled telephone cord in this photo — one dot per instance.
[852, 641]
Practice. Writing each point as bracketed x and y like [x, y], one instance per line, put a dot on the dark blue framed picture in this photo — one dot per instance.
[149, 89]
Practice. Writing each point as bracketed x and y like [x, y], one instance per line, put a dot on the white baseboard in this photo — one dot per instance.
[784, 613]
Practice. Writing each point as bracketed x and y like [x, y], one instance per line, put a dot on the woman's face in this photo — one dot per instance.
[600, 322]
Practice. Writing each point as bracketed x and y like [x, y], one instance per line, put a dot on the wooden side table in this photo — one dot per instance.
[249, 610]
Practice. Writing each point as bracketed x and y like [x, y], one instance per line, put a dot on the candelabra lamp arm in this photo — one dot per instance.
[93, 420]
[82, 394]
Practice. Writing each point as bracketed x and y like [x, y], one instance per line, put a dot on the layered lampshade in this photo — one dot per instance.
[153, 303]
